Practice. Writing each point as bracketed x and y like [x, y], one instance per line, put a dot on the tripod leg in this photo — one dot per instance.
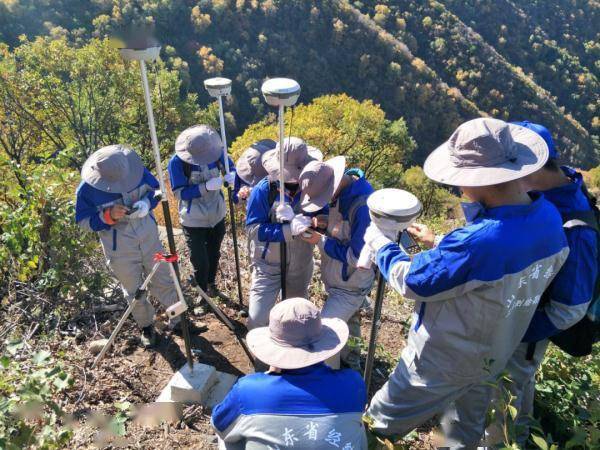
[221, 315]
[136, 298]
[283, 258]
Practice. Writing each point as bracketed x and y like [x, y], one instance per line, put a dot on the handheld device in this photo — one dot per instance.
[130, 211]
[408, 243]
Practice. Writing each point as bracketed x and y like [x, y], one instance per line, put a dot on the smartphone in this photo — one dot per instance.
[408, 244]
[131, 211]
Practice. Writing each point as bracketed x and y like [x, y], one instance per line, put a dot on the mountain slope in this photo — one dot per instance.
[418, 60]
[561, 62]
[463, 59]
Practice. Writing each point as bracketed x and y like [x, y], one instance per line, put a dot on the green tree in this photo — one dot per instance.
[341, 125]
[73, 100]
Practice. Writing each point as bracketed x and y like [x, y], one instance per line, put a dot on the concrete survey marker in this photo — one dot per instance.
[204, 385]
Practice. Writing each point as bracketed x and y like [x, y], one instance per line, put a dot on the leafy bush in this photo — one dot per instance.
[40, 242]
[435, 199]
[30, 417]
[593, 178]
[341, 125]
[568, 398]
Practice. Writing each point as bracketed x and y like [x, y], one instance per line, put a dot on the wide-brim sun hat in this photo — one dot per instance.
[114, 168]
[296, 157]
[249, 165]
[297, 336]
[486, 152]
[319, 181]
[199, 145]
[544, 133]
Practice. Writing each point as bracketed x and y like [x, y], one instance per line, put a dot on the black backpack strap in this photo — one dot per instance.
[581, 219]
[530, 351]
[273, 192]
[187, 170]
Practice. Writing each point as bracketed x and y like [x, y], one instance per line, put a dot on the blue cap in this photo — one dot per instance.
[544, 133]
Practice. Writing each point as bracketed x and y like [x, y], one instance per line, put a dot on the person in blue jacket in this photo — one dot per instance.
[264, 216]
[249, 168]
[115, 199]
[475, 292]
[340, 241]
[195, 173]
[567, 299]
[300, 402]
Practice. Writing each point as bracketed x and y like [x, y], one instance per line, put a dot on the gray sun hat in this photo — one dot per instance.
[319, 182]
[297, 156]
[485, 152]
[249, 165]
[115, 168]
[199, 145]
[297, 336]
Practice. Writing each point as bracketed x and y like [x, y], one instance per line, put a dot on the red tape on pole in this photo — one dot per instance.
[166, 257]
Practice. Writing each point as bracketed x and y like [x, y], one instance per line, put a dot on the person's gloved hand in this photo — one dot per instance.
[229, 178]
[284, 213]
[214, 184]
[375, 238]
[140, 209]
[299, 224]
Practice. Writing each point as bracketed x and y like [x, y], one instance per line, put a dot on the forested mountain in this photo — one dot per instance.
[435, 63]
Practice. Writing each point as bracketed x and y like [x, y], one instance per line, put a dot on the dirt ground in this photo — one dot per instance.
[130, 374]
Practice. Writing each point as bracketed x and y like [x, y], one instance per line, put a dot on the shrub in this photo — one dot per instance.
[29, 415]
[40, 242]
[436, 200]
[568, 398]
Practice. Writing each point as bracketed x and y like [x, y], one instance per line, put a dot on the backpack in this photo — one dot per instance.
[579, 339]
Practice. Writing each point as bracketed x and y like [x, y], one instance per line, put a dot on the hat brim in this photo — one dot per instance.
[92, 176]
[207, 157]
[270, 161]
[314, 204]
[246, 174]
[532, 154]
[334, 335]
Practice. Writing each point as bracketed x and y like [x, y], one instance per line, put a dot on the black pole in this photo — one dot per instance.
[374, 329]
[185, 330]
[283, 258]
[235, 245]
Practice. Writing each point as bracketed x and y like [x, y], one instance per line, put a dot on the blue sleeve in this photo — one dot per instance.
[388, 256]
[540, 327]
[151, 181]
[237, 185]
[257, 212]
[226, 412]
[571, 290]
[86, 209]
[180, 181]
[335, 249]
[435, 271]
[442, 268]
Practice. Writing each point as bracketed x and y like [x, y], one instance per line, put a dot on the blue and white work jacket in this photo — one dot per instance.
[198, 207]
[573, 288]
[347, 222]
[91, 202]
[314, 407]
[477, 291]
